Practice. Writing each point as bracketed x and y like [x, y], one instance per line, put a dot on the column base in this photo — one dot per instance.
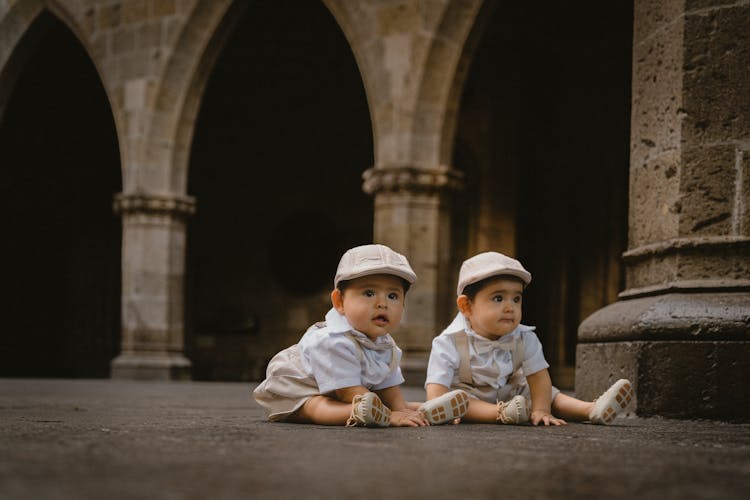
[688, 355]
[151, 366]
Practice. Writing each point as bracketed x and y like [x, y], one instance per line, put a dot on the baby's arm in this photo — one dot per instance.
[540, 387]
[401, 414]
[436, 390]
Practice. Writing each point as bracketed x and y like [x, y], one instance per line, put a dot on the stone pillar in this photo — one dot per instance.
[153, 267]
[681, 329]
[412, 216]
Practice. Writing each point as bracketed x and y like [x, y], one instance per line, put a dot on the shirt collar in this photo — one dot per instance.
[337, 322]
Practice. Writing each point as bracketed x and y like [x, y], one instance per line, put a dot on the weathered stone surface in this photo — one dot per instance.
[654, 15]
[679, 379]
[674, 316]
[717, 76]
[707, 191]
[655, 199]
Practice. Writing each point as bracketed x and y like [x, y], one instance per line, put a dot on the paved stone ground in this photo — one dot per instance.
[103, 439]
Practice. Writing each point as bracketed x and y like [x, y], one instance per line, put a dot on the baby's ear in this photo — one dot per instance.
[464, 304]
[337, 299]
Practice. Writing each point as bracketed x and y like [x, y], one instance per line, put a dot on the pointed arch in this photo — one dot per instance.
[183, 81]
[60, 170]
[22, 26]
[450, 53]
[346, 24]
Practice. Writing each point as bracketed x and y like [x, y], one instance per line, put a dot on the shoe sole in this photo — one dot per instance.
[369, 410]
[446, 408]
[380, 415]
[622, 399]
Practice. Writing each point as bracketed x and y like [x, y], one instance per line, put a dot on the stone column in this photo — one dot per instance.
[681, 329]
[153, 268]
[412, 216]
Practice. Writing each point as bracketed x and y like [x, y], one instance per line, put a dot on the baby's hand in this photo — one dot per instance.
[407, 418]
[545, 418]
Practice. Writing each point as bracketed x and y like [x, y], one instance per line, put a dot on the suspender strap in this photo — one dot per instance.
[464, 364]
[519, 354]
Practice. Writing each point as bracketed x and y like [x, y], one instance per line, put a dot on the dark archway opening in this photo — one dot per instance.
[61, 246]
[281, 141]
[544, 140]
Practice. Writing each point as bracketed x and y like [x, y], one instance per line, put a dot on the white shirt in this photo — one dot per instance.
[335, 362]
[490, 361]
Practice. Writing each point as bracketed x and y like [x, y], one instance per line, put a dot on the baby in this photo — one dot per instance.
[345, 370]
[498, 361]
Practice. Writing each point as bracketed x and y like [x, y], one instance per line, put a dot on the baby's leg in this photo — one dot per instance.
[481, 411]
[570, 408]
[322, 410]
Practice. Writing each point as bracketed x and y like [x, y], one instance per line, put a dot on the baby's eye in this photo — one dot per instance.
[497, 298]
[517, 300]
[393, 296]
[369, 293]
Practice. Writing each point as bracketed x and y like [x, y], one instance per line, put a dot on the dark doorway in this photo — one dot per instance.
[281, 141]
[544, 140]
[61, 241]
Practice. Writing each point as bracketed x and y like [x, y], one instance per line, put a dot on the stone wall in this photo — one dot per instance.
[681, 330]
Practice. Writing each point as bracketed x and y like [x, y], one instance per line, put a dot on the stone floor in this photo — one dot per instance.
[103, 439]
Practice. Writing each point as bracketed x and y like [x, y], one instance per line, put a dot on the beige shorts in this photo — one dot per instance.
[515, 386]
[286, 387]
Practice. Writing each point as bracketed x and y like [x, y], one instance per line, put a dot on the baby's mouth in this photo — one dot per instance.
[380, 320]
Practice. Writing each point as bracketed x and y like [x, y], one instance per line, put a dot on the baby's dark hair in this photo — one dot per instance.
[472, 290]
[344, 284]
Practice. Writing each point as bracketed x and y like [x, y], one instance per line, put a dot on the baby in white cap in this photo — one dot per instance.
[345, 370]
[499, 362]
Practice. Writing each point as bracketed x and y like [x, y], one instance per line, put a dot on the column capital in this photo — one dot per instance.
[395, 179]
[153, 204]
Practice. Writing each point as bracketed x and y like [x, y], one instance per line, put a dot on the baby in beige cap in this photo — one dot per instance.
[345, 370]
[499, 362]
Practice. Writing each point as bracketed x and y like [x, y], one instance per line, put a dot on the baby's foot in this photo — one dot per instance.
[515, 411]
[612, 402]
[445, 408]
[368, 410]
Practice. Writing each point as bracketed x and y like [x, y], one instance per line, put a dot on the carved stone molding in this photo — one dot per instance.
[677, 244]
[159, 205]
[411, 180]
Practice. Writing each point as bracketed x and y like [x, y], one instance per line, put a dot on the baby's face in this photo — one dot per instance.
[496, 309]
[373, 304]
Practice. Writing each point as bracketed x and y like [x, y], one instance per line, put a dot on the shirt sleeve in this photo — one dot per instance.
[334, 362]
[444, 361]
[393, 378]
[534, 360]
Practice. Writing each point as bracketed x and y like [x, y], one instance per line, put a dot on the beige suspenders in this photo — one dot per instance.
[464, 365]
[461, 340]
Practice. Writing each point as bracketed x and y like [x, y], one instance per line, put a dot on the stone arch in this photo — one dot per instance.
[279, 145]
[442, 79]
[60, 171]
[550, 137]
[179, 96]
[17, 23]
[346, 24]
